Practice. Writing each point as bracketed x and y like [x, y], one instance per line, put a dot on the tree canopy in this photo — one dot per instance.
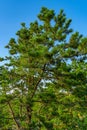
[43, 80]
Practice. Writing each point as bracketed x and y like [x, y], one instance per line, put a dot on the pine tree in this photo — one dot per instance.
[43, 81]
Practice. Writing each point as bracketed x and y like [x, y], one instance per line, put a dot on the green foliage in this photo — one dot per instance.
[43, 82]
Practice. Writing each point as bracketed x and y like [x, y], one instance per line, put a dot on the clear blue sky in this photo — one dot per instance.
[13, 12]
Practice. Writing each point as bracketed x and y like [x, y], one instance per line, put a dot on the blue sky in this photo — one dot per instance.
[13, 12]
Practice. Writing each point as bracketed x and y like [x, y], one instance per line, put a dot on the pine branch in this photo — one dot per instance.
[13, 115]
